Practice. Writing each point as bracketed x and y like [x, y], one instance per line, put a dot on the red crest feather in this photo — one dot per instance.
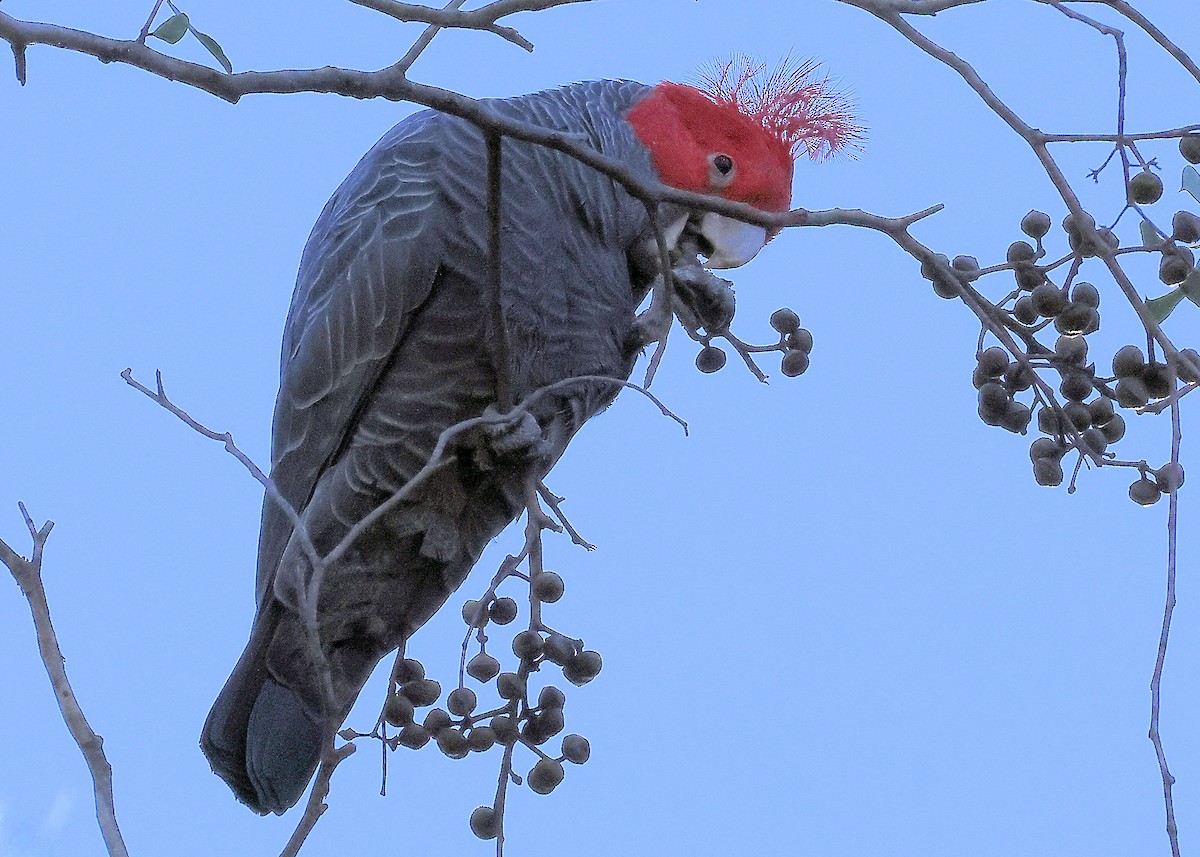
[801, 110]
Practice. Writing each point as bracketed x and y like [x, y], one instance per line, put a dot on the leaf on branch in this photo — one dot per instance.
[1150, 237]
[172, 29]
[1191, 182]
[1191, 287]
[213, 48]
[1161, 307]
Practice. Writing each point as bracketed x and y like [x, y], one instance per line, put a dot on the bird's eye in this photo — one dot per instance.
[721, 170]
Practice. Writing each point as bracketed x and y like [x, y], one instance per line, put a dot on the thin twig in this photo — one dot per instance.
[28, 575]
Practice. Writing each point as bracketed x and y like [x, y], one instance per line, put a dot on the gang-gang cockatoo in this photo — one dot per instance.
[388, 343]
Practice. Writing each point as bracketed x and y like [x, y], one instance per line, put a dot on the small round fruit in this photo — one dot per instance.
[1024, 312]
[1035, 224]
[1144, 492]
[785, 321]
[528, 645]
[965, 264]
[1102, 411]
[1016, 418]
[582, 668]
[710, 359]
[1029, 277]
[551, 697]
[559, 649]
[1048, 472]
[474, 613]
[800, 340]
[1189, 147]
[1045, 447]
[436, 721]
[461, 701]
[481, 739]
[408, 669]
[1076, 387]
[1079, 414]
[1086, 294]
[1128, 362]
[504, 727]
[1186, 373]
[1048, 300]
[413, 737]
[422, 692]
[1157, 378]
[547, 586]
[1096, 440]
[483, 667]
[545, 776]
[1132, 393]
[1185, 227]
[1071, 350]
[398, 710]
[1020, 251]
[510, 686]
[1173, 269]
[794, 363]
[1169, 477]
[1018, 378]
[1074, 319]
[1114, 429]
[993, 396]
[576, 749]
[453, 743]
[485, 822]
[1145, 188]
[502, 610]
[1050, 423]
[993, 361]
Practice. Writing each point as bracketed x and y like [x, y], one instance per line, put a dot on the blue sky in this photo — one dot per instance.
[838, 619]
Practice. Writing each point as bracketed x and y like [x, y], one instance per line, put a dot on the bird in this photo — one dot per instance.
[389, 341]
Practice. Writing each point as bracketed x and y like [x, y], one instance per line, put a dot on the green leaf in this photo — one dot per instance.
[1191, 287]
[1150, 237]
[172, 29]
[213, 48]
[1161, 307]
[1191, 182]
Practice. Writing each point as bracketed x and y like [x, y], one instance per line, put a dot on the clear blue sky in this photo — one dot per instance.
[839, 619]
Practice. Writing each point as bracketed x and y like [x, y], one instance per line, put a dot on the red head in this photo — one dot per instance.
[737, 133]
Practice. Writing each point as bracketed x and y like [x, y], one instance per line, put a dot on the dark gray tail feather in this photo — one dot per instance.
[259, 737]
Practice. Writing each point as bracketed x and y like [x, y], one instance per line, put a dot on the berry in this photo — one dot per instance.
[1076, 319]
[1074, 227]
[1029, 277]
[794, 363]
[1020, 251]
[1024, 312]
[1071, 350]
[1048, 300]
[582, 668]
[504, 728]
[1144, 492]
[485, 822]
[547, 586]
[436, 721]
[1173, 269]
[785, 321]
[453, 743]
[1128, 362]
[1169, 477]
[710, 359]
[502, 610]
[1186, 374]
[551, 697]
[474, 613]
[413, 736]
[1044, 447]
[576, 749]
[559, 649]
[1018, 378]
[1076, 387]
[1145, 188]
[993, 361]
[1086, 294]
[422, 692]
[1132, 393]
[1048, 472]
[1016, 418]
[1157, 379]
[993, 396]
[398, 710]
[1095, 440]
[408, 670]
[1185, 227]
[483, 667]
[545, 776]
[481, 739]
[1036, 224]
[510, 686]
[1102, 411]
[1114, 429]
[800, 340]
[1189, 147]
[1080, 415]
[965, 264]
[528, 645]
[461, 701]
[1049, 422]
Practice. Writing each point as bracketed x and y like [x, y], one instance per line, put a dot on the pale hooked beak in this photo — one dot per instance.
[734, 243]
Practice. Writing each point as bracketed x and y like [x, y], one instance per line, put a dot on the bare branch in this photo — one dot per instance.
[419, 46]
[28, 574]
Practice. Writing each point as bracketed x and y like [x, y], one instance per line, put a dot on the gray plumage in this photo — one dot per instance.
[387, 344]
